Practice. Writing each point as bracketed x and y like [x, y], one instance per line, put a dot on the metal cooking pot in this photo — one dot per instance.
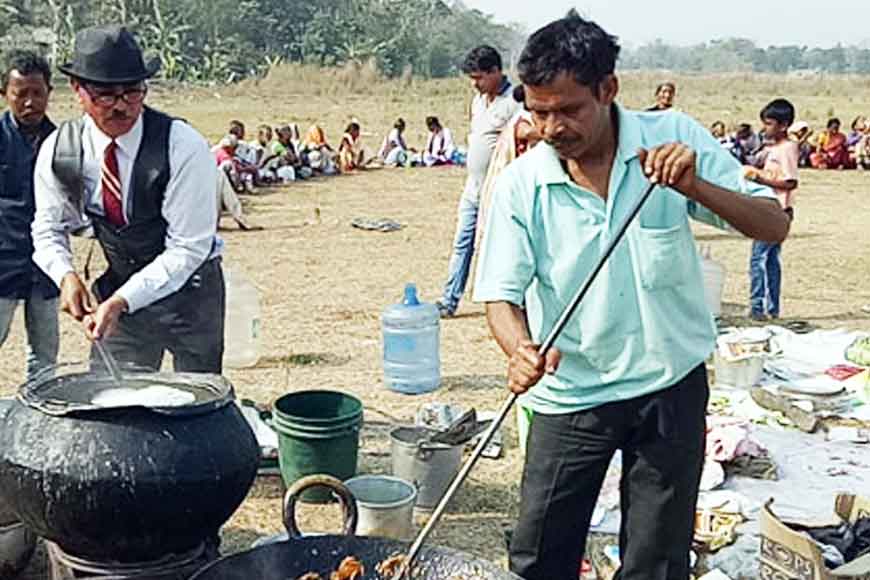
[125, 484]
[322, 554]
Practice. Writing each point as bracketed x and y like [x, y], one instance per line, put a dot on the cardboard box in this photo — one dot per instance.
[787, 553]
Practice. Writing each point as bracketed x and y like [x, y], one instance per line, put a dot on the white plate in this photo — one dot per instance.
[815, 386]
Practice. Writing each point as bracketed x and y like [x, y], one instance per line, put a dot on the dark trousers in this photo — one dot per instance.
[188, 323]
[662, 439]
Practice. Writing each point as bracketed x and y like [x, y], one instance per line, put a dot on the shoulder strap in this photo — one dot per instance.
[67, 160]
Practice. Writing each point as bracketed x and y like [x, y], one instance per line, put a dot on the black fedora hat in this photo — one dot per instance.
[108, 55]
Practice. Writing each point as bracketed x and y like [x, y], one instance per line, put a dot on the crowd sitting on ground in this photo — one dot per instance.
[282, 156]
[828, 149]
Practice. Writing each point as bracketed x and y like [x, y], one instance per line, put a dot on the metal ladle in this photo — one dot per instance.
[110, 362]
[506, 407]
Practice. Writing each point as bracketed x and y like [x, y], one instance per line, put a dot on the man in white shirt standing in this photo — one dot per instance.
[491, 110]
[145, 183]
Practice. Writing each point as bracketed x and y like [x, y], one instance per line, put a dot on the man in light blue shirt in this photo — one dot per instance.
[627, 373]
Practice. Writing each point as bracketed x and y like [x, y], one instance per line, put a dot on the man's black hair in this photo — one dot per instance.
[667, 84]
[570, 45]
[432, 122]
[353, 126]
[834, 121]
[520, 94]
[481, 59]
[26, 62]
[236, 125]
[780, 110]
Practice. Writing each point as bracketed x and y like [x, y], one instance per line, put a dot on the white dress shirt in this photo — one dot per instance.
[189, 208]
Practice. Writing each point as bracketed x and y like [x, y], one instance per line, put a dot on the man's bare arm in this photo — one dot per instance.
[508, 325]
[755, 217]
[526, 367]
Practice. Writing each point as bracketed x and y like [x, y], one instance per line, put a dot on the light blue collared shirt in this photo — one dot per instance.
[644, 324]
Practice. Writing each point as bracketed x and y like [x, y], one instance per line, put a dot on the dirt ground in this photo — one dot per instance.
[323, 284]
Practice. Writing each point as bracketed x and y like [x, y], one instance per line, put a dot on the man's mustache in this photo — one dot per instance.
[558, 143]
[119, 116]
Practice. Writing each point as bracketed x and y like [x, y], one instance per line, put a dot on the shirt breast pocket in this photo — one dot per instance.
[665, 255]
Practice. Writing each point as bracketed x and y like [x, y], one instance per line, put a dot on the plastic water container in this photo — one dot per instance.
[714, 279]
[412, 363]
[242, 323]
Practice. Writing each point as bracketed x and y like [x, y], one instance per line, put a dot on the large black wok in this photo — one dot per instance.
[298, 555]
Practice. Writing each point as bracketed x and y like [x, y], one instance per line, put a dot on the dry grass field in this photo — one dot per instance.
[324, 283]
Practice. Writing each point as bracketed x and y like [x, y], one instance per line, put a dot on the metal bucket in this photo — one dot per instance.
[385, 505]
[429, 466]
[741, 373]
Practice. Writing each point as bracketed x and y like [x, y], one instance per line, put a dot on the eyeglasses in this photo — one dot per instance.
[131, 95]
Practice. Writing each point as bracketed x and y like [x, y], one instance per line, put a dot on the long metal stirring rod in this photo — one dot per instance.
[109, 361]
[506, 407]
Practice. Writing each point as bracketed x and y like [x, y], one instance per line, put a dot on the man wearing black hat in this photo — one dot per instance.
[145, 183]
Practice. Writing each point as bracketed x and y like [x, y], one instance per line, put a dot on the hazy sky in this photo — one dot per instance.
[810, 22]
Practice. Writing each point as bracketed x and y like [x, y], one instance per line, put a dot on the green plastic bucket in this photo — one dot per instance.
[318, 432]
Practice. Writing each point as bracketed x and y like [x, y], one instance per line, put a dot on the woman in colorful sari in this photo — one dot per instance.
[832, 152]
[320, 154]
[350, 154]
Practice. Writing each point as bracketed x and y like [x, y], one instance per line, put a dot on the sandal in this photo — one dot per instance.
[799, 326]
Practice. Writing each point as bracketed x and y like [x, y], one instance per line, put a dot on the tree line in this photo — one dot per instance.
[738, 54]
[224, 40]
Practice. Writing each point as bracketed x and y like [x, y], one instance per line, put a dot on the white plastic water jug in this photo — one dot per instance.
[242, 322]
[714, 280]
[412, 360]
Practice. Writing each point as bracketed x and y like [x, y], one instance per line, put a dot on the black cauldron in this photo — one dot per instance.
[128, 483]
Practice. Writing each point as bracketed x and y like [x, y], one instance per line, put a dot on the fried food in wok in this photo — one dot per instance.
[391, 565]
[349, 569]
[352, 569]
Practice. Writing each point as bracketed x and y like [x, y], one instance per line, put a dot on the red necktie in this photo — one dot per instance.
[111, 185]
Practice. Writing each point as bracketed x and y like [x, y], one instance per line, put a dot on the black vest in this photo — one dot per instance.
[19, 276]
[131, 247]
